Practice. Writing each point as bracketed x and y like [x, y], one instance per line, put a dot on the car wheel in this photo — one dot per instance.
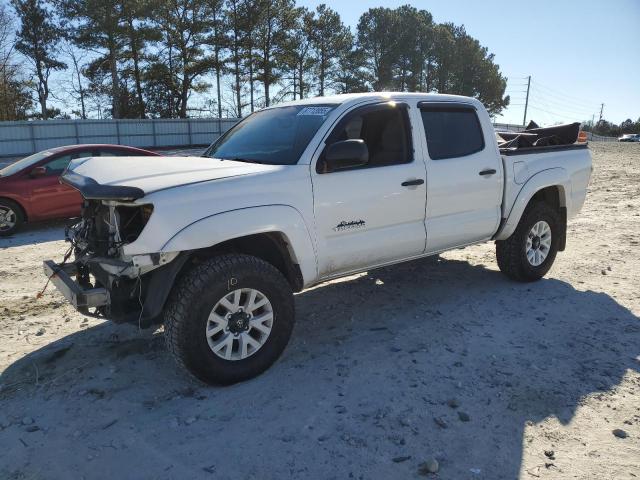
[229, 318]
[11, 217]
[528, 254]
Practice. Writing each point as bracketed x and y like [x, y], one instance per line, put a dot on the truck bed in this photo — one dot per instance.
[541, 149]
[534, 138]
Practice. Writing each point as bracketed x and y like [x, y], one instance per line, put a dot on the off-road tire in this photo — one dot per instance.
[18, 213]
[194, 296]
[511, 253]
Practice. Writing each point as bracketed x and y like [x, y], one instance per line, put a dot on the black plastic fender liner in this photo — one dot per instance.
[92, 190]
[158, 288]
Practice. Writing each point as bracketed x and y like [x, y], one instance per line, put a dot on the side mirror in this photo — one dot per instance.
[38, 172]
[346, 154]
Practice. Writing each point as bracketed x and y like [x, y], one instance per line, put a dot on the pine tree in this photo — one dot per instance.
[38, 39]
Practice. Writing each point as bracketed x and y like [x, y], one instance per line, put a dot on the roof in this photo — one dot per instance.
[356, 97]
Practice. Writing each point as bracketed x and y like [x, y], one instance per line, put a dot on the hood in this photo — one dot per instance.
[150, 174]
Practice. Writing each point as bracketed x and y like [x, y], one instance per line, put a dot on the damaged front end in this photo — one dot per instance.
[102, 280]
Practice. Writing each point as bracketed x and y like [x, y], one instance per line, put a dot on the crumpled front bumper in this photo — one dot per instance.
[81, 298]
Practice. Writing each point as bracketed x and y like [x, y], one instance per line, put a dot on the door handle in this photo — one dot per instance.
[412, 183]
[489, 171]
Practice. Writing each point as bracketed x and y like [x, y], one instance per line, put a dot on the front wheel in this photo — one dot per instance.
[527, 255]
[229, 318]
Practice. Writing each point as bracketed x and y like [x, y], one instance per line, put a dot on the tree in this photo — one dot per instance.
[375, 40]
[218, 40]
[186, 30]
[275, 22]
[407, 52]
[38, 39]
[236, 43]
[296, 56]
[161, 93]
[97, 27]
[464, 67]
[15, 99]
[137, 32]
[351, 74]
[76, 86]
[412, 44]
[329, 38]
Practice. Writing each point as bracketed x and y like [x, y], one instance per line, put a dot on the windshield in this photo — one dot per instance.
[24, 163]
[276, 136]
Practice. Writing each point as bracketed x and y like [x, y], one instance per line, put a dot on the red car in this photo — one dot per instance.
[30, 189]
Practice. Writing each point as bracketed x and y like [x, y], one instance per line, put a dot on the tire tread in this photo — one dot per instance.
[176, 313]
[509, 251]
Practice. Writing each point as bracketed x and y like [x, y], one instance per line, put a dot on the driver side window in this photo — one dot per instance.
[383, 129]
[57, 165]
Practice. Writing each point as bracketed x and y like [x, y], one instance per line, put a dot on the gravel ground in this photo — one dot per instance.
[442, 359]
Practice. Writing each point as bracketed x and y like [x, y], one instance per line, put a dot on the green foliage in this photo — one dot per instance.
[407, 51]
[329, 39]
[147, 58]
[609, 129]
[38, 38]
[15, 98]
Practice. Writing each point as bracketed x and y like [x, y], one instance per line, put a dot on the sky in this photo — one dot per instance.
[579, 54]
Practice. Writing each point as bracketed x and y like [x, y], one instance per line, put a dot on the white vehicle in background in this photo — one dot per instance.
[630, 137]
[301, 193]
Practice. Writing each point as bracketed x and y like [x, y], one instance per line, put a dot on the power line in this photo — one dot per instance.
[563, 96]
[558, 92]
[560, 107]
[553, 106]
[555, 114]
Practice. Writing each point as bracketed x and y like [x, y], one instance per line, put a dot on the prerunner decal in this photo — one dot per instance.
[353, 224]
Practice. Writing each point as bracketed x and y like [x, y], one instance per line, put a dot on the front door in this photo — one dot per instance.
[464, 176]
[49, 197]
[372, 214]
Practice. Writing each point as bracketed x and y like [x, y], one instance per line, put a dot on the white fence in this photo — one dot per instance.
[19, 139]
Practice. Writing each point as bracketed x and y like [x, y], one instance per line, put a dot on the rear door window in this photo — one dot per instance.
[451, 131]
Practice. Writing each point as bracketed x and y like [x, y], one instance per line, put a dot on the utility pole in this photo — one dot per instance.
[601, 108]
[526, 103]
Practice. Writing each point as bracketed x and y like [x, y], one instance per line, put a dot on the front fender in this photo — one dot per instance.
[553, 177]
[220, 227]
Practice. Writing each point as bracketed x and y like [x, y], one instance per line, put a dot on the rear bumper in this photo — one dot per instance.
[81, 298]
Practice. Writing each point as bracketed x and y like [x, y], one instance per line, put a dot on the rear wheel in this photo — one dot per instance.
[528, 254]
[11, 217]
[229, 318]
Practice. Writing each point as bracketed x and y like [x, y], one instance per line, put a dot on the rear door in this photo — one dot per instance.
[372, 214]
[464, 176]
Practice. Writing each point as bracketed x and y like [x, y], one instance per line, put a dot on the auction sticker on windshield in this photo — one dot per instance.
[318, 111]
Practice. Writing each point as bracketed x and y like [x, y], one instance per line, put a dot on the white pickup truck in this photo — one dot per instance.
[213, 247]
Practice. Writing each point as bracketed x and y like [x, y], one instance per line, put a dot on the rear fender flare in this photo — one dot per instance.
[553, 177]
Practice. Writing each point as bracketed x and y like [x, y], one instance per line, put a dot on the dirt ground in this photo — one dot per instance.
[440, 359]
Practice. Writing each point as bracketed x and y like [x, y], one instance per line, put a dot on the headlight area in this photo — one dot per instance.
[132, 220]
[107, 226]
[97, 243]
